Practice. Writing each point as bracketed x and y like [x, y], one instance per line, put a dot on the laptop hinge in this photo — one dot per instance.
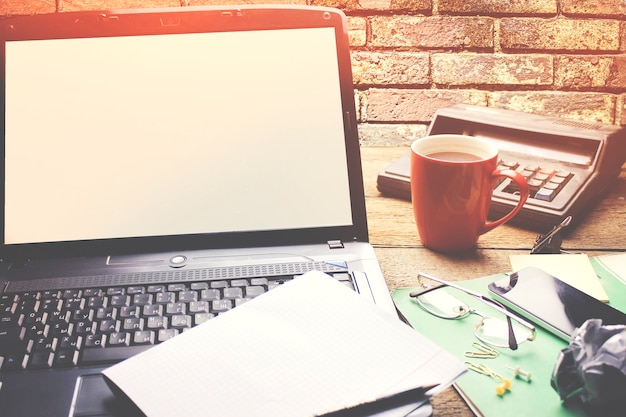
[335, 244]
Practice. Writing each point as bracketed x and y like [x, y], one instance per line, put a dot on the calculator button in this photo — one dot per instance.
[508, 164]
[558, 180]
[545, 194]
[547, 171]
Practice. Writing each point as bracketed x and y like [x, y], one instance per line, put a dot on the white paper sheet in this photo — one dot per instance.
[616, 263]
[305, 348]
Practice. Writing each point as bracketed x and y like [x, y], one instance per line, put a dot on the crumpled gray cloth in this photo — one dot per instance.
[593, 368]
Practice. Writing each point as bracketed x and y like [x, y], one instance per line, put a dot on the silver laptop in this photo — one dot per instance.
[161, 167]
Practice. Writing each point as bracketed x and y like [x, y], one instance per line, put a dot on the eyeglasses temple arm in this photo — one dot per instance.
[512, 339]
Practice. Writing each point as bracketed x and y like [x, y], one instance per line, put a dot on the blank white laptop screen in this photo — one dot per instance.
[173, 134]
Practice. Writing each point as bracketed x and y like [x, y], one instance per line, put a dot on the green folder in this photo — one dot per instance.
[538, 357]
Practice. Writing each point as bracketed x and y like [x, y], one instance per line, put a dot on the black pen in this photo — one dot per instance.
[411, 396]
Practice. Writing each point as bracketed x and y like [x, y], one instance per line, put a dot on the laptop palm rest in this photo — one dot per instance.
[94, 398]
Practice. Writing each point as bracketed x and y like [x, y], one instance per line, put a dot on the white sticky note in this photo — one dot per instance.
[574, 269]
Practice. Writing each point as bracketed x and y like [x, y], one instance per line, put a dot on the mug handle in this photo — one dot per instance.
[523, 196]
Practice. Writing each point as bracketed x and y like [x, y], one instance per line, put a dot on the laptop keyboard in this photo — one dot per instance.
[54, 328]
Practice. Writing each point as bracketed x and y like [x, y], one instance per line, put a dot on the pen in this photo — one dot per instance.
[411, 396]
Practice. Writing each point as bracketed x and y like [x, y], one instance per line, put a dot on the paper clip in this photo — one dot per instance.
[505, 383]
[484, 352]
[483, 369]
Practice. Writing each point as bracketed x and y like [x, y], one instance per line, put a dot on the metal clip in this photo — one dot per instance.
[551, 241]
[483, 369]
[505, 383]
[484, 352]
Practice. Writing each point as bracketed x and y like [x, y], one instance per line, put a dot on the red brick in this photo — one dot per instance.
[482, 7]
[408, 5]
[411, 105]
[77, 5]
[339, 4]
[559, 34]
[19, 7]
[594, 7]
[621, 111]
[396, 134]
[390, 68]
[432, 32]
[490, 69]
[596, 107]
[596, 72]
[357, 31]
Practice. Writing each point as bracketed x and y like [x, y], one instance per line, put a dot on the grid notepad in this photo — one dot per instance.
[306, 348]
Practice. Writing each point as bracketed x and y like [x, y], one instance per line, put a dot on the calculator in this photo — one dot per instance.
[567, 163]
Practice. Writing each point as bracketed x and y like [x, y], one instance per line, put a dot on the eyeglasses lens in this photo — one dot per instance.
[442, 304]
[495, 331]
[445, 303]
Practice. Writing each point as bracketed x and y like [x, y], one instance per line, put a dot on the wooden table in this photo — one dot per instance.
[394, 236]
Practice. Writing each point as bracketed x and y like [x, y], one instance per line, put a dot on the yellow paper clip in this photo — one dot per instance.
[482, 369]
[505, 383]
[483, 352]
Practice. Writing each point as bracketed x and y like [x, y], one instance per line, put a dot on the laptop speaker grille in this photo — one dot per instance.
[205, 274]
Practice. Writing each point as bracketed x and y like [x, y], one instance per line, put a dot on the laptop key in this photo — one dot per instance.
[254, 291]
[166, 334]
[13, 362]
[66, 358]
[198, 307]
[94, 340]
[118, 339]
[143, 337]
[220, 306]
[181, 321]
[12, 339]
[110, 354]
[41, 360]
[202, 317]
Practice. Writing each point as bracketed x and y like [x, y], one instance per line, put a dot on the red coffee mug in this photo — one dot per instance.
[452, 180]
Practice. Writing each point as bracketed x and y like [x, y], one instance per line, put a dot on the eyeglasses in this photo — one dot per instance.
[440, 301]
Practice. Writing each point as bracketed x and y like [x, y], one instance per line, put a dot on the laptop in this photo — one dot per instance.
[185, 158]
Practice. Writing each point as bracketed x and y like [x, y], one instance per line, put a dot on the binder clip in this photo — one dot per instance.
[551, 241]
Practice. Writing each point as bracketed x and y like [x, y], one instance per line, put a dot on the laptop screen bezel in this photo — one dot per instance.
[187, 20]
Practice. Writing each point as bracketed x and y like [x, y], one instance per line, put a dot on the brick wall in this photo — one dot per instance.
[410, 57]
